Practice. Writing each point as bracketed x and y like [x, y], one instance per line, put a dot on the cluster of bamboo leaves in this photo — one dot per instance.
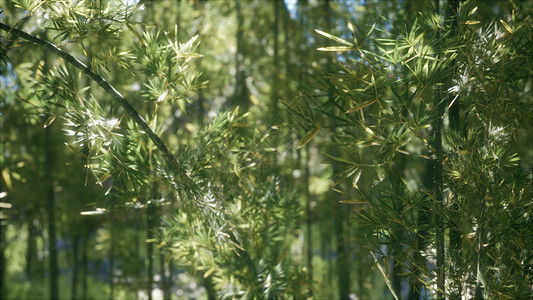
[388, 93]
[227, 219]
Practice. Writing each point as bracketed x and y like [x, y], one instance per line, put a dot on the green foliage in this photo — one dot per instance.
[245, 223]
[167, 68]
[386, 120]
[229, 220]
[421, 125]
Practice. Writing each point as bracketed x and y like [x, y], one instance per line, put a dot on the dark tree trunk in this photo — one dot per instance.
[31, 251]
[451, 14]
[163, 272]
[362, 262]
[455, 125]
[274, 94]
[242, 94]
[303, 154]
[424, 217]
[398, 187]
[438, 183]
[438, 190]
[396, 267]
[75, 267]
[49, 154]
[112, 238]
[170, 275]
[84, 263]
[178, 18]
[210, 288]
[287, 22]
[201, 103]
[308, 213]
[2, 259]
[2, 255]
[150, 247]
[327, 255]
[479, 293]
[343, 257]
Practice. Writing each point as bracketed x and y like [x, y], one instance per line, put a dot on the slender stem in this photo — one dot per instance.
[150, 216]
[455, 243]
[438, 182]
[50, 157]
[438, 188]
[105, 85]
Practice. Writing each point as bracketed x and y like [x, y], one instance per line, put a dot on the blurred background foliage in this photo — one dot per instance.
[324, 149]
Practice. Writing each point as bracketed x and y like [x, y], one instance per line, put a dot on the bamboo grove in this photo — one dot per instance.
[266, 149]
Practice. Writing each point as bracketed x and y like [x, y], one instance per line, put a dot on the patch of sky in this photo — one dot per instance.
[291, 6]
[7, 77]
[7, 80]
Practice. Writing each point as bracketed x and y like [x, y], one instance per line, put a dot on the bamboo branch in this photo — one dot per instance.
[387, 280]
[437, 125]
[106, 86]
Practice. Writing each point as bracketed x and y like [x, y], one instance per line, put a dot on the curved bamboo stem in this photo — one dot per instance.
[106, 86]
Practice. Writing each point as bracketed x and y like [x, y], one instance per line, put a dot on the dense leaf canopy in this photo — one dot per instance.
[283, 149]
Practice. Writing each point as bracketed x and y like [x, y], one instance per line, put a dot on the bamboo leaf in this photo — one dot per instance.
[473, 11]
[507, 27]
[370, 30]
[332, 37]
[49, 121]
[308, 137]
[387, 280]
[360, 106]
[134, 32]
[76, 150]
[336, 48]
[339, 159]
[356, 177]
[350, 27]
[7, 178]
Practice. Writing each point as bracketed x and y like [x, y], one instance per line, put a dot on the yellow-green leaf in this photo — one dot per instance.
[360, 106]
[356, 177]
[208, 272]
[336, 48]
[472, 11]
[134, 32]
[308, 137]
[507, 27]
[76, 150]
[350, 26]
[49, 121]
[332, 37]
[7, 178]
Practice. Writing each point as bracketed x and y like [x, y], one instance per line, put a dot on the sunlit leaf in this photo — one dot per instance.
[350, 27]
[49, 121]
[98, 211]
[7, 178]
[356, 177]
[332, 37]
[507, 27]
[336, 48]
[473, 11]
